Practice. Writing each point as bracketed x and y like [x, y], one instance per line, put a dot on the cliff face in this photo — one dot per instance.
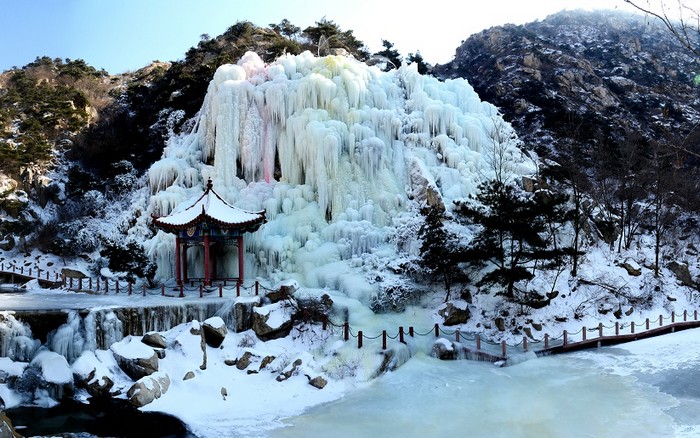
[587, 77]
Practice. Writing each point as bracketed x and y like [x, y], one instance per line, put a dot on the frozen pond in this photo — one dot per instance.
[645, 388]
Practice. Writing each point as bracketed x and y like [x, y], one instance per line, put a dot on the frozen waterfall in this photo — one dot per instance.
[336, 152]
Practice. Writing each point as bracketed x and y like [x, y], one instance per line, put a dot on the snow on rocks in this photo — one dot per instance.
[214, 331]
[273, 320]
[93, 375]
[135, 358]
[148, 388]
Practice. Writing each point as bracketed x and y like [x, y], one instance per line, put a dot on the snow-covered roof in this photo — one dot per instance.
[212, 208]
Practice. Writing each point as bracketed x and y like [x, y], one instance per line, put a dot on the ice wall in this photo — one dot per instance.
[335, 151]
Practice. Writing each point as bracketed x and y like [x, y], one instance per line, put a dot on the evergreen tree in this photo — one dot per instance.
[390, 54]
[423, 67]
[439, 250]
[516, 233]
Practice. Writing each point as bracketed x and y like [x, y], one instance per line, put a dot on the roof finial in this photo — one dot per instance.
[210, 185]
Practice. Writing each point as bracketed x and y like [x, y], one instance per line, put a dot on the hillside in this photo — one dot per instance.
[583, 77]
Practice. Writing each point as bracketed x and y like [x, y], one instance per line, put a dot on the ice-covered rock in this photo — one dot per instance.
[135, 358]
[148, 388]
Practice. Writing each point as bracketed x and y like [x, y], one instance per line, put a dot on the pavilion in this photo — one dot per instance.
[209, 222]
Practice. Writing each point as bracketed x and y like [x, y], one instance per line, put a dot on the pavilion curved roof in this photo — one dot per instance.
[211, 208]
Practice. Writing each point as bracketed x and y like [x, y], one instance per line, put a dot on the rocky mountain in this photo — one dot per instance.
[590, 78]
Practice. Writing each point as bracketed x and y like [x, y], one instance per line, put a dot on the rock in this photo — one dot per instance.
[97, 387]
[224, 392]
[528, 332]
[631, 267]
[618, 312]
[682, 273]
[245, 360]
[189, 375]
[671, 298]
[318, 382]
[443, 350]
[214, 331]
[196, 328]
[629, 311]
[267, 360]
[155, 340]
[160, 353]
[536, 326]
[552, 295]
[454, 315]
[273, 321]
[230, 362]
[500, 324]
[289, 371]
[136, 359]
[147, 389]
[283, 292]
[6, 428]
[243, 311]
[72, 273]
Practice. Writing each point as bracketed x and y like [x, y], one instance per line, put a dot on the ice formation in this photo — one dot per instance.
[335, 151]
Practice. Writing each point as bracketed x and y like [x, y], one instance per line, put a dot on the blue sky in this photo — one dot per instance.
[122, 35]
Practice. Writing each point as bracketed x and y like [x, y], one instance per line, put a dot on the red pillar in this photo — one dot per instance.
[177, 260]
[240, 259]
[207, 279]
[184, 262]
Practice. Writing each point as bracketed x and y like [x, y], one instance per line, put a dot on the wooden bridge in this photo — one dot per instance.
[471, 346]
[21, 275]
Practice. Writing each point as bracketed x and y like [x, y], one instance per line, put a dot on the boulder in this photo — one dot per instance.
[283, 292]
[189, 375]
[245, 360]
[148, 388]
[443, 350]
[500, 324]
[214, 331]
[155, 340]
[454, 315]
[136, 359]
[97, 386]
[243, 311]
[631, 267]
[72, 273]
[267, 360]
[682, 273]
[273, 321]
[318, 382]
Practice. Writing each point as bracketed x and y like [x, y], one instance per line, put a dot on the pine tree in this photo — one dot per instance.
[516, 235]
[440, 254]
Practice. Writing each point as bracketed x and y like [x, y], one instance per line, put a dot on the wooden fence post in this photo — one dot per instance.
[647, 323]
[162, 290]
[201, 290]
[583, 333]
[546, 340]
[600, 329]
[617, 328]
[129, 287]
[503, 348]
[221, 291]
[257, 287]
[116, 286]
[524, 343]
[410, 331]
[144, 289]
[346, 330]
[685, 315]
[456, 335]
[437, 330]
[478, 342]
[661, 320]
[566, 337]
[632, 327]
[359, 339]
[182, 291]
[238, 288]
[401, 335]
[383, 339]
